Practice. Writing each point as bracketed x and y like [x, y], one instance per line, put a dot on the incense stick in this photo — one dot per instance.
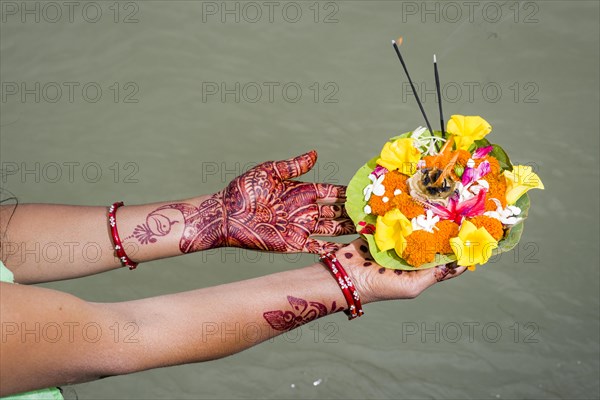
[411, 83]
[439, 95]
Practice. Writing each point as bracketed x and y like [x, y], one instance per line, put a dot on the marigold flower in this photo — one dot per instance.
[492, 225]
[446, 229]
[408, 206]
[396, 192]
[420, 248]
[494, 165]
[441, 160]
[497, 190]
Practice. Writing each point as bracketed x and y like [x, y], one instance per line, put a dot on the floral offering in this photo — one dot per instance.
[432, 198]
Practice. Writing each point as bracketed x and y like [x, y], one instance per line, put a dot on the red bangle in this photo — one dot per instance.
[112, 222]
[346, 285]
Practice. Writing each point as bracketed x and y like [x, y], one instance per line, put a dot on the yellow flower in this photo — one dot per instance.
[391, 231]
[519, 181]
[472, 246]
[400, 154]
[467, 129]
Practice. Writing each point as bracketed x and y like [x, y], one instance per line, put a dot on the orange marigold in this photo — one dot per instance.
[420, 248]
[446, 229]
[408, 206]
[494, 165]
[395, 180]
[378, 207]
[492, 225]
[440, 161]
[497, 190]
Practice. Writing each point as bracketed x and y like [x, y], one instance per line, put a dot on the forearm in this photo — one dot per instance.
[51, 338]
[46, 242]
[119, 338]
[215, 322]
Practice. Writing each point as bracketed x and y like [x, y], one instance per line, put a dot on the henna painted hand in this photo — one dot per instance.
[265, 210]
[262, 209]
[376, 283]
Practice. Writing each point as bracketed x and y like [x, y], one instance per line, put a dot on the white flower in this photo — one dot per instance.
[426, 223]
[367, 209]
[427, 144]
[375, 188]
[508, 215]
[417, 133]
[482, 184]
[469, 191]
[397, 192]
[385, 199]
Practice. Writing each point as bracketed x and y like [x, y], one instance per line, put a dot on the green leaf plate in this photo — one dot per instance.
[355, 204]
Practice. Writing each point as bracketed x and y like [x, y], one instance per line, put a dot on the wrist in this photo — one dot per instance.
[346, 284]
[361, 282]
[359, 266]
[205, 224]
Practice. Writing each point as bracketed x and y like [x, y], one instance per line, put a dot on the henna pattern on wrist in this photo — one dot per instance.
[302, 312]
[203, 225]
[157, 224]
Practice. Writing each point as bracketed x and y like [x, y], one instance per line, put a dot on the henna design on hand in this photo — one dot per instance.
[302, 312]
[267, 211]
[262, 210]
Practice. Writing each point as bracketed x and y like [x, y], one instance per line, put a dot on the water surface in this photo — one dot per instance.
[526, 326]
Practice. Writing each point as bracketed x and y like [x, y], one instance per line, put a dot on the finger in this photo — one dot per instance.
[454, 272]
[334, 227]
[316, 246]
[330, 193]
[440, 273]
[294, 167]
[332, 211]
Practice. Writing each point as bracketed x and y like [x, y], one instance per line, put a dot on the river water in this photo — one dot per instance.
[144, 101]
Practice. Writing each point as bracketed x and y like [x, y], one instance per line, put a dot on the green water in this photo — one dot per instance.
[142, 105]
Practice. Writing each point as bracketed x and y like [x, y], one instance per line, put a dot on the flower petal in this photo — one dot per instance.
[472, 246]
[467, 129]
[401, 155]
[519, 181]
[466, 229]
[391, 230]
[482, 152]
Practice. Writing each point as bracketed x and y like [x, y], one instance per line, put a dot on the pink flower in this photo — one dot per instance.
[482, 152]
[471, 174]
[379, 170]
[456, 211]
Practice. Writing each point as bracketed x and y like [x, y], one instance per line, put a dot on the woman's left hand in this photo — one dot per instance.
[376, 283]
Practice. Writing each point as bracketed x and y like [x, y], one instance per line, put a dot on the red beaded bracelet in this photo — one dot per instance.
[112, 222]
[348, 289]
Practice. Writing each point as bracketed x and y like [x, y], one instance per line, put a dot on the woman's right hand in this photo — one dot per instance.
[376, 283]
